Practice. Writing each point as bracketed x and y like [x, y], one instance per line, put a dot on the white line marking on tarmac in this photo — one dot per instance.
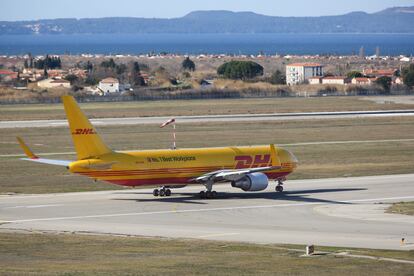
[291, 145]
[217, 235]
[34, 206]
[205, 210]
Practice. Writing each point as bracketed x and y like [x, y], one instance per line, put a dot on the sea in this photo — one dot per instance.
[233, 44]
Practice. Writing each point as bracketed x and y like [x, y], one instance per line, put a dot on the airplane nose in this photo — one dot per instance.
[292, 159]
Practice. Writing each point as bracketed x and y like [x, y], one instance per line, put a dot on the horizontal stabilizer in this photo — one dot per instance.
[49, 161]
[32, 157]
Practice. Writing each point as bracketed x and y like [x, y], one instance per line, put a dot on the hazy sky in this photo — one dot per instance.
[36, 9]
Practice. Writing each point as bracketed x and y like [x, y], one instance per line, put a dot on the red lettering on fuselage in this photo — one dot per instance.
[84, 131]
[247, 161]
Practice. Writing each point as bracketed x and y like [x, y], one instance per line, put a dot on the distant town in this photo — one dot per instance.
[28, 78]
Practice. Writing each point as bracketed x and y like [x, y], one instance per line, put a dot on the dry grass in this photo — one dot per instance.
[242, 85]
[404, 208]
[198, 107]
[320, 160]
[35, 254]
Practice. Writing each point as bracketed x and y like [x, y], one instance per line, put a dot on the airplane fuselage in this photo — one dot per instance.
[166, 167]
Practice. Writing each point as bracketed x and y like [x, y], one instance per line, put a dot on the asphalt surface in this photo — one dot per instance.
[333, 212]
[215, 118]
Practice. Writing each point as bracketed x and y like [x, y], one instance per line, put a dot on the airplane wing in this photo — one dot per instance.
[32, 157]
[237, 174]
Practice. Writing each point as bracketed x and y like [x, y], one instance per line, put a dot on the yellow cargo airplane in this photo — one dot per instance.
[247, 168]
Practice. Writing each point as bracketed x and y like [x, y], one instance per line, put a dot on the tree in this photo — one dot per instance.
[136, 77]
[88, 66]
[188, 64]
[354, 74]
[26, 64]
[108, 63]
[240, 70]
[90, 80]
[385, 83]
[120, 69]
[278, 78]
[72, 78]
[408, 75]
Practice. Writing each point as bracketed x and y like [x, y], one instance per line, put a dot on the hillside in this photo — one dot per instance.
[392, 20]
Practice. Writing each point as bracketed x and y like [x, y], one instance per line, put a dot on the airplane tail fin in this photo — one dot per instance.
[85, 138]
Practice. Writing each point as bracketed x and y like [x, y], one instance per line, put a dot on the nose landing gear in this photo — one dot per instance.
[279, 187]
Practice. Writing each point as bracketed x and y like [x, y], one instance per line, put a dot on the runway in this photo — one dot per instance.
[345, 212]
[215, 118]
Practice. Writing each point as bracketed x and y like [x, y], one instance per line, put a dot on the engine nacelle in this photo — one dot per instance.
[252, 182]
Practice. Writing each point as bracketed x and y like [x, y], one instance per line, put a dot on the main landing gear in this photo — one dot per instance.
[162, 192]
[279, 187]
[209, 194]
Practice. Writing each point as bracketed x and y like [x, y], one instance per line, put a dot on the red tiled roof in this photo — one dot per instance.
[6, 72]
[305, 64]
[110, 80]
[60, 81]
[362, 79]
[335, 78]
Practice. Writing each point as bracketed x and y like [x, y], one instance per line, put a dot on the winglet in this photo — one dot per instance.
[26, 149]
[274, 157]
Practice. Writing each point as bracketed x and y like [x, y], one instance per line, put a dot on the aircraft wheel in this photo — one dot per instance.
[202, 194]
[213, 194]
[209, 194]
[279, 188]
[156, 192]
[168, 192]
[162, 192]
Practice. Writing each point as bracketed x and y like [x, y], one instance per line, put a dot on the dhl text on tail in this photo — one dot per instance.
[246, 168]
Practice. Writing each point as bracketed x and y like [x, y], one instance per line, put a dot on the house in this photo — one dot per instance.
[363, 81]
[57, 73]
[399, 80]
[315, 80]
[7, 75]
[335, 80]
[53, 83]
[380, 72]
[298, 73]
[109, 85]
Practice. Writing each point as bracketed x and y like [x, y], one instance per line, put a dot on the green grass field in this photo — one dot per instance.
[316, 160]
[66, 254]
[197, 107]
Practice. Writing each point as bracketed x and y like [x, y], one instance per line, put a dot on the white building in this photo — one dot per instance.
[52, 83]
[298, 73]
[335, 80]
[315, 80]
[109, 85]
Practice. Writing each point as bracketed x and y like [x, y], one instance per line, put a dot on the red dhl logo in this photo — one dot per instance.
[258, 161]
[84, 131]
[247, 161]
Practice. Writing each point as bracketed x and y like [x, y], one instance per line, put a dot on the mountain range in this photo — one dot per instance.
[392, 20]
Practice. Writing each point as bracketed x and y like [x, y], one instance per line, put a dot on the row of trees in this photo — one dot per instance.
[49, 62]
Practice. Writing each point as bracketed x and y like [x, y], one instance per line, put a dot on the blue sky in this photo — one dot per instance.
[36, 9]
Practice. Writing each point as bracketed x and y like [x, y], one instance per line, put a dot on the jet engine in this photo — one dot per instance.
[252, 182]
